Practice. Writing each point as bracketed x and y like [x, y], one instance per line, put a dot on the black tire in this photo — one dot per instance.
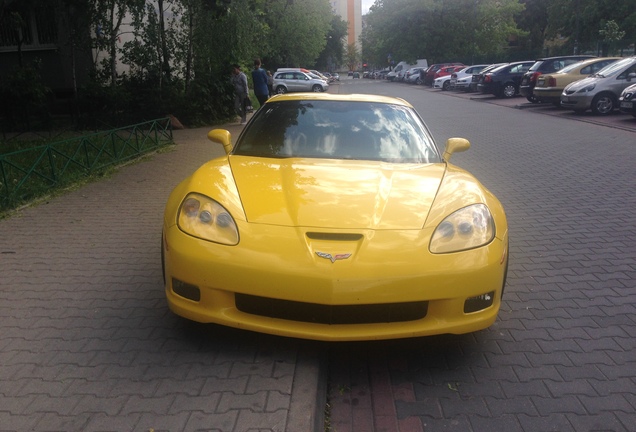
[603, 104]
[418, 81]
[316, 88]
[281, 90]
[508, 90]
[532, 99]
[445, 85]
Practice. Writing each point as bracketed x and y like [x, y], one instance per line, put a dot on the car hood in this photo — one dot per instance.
[578, 85]
[336, 193]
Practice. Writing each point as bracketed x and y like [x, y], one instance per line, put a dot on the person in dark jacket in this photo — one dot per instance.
[259, 80]
[241, 92]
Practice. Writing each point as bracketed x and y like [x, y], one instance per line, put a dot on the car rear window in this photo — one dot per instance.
[338, 130]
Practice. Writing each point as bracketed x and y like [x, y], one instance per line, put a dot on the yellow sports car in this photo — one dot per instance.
[335, 217]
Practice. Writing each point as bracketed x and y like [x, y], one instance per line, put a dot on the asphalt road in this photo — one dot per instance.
[562, 354]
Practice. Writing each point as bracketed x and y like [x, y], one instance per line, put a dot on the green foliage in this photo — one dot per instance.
[439, 30]
[582, 21]
[299, 30]
[333, 54]
[24, 96]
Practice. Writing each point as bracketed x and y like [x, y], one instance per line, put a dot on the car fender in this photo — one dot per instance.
[213, 179]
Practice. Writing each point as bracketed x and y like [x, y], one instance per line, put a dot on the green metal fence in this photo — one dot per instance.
[25, 174]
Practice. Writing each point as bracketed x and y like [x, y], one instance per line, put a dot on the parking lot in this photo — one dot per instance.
[87, 342]
[562, 353]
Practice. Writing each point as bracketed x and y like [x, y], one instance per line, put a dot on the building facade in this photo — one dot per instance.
[350, 11]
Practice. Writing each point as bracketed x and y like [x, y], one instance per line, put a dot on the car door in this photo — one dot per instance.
[623, 80]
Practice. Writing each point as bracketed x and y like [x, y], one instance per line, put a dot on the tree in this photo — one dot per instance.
[353, 57]
[610, 34]
[333, 54]
[579, 21]
[299, 30]
[440, 30]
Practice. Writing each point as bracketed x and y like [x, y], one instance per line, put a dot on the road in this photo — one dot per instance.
[562, 353]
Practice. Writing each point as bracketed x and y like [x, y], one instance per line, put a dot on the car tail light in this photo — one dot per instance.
[534, 76]
[552, 82]
[487, 78]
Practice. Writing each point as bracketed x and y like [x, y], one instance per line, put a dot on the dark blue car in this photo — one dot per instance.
[504, 81]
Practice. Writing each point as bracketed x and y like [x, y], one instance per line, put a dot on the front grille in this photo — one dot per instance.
[324, 314]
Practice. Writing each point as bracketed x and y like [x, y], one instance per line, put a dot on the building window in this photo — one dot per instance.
[35, 27]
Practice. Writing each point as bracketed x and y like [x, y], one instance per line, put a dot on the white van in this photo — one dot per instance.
[401, 68]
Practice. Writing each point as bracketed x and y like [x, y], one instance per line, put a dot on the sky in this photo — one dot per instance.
[366, 4]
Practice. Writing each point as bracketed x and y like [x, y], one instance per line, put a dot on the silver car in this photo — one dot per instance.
[600, 92]
[297, 81]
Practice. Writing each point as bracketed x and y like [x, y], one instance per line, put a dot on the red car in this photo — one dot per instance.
[428, 75]
[447, 71]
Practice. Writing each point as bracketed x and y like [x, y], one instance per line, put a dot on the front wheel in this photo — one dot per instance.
[603, 104]
[509, 90]
[281, 90]
[445, 85]
[317, 88]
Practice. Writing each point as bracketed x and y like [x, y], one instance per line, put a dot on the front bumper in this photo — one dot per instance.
[274, 283]
[547, 94]
[577, 101]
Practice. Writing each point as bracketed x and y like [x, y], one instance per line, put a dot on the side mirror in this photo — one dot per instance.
[223, 137]
[631, 76]
[455, 145]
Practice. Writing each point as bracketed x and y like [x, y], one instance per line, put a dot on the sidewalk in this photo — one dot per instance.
[87, 342]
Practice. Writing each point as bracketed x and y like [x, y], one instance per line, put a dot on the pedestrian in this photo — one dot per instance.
[241, 92]
[270, 83]
[259, 80]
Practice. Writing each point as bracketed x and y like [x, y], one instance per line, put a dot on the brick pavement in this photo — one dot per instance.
[562, 354]
[87, 342]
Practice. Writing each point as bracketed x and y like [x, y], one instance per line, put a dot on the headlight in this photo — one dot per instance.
[202, 217]
[587, 88]
[467, 228]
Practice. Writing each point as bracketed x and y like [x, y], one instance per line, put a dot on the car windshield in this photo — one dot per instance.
[571, 67]
[614, 68]
[338, 130]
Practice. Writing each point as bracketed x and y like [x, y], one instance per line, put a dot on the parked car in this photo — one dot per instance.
[356, 75]
[504, 81]
[542, 66]
[428, 75]
[461, 79]
[399, 77]
[444, 78]
[297, 81]
[319, 74]
[550, 86]
[479, 76]
[329, 76]
[600, 92]
[413, 75]
[293, 202]
[627, 100]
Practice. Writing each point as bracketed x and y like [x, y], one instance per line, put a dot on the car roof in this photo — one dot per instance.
[582, 56]
[338, 97]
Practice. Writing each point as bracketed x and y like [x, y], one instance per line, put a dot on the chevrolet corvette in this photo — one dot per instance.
[335, 217]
